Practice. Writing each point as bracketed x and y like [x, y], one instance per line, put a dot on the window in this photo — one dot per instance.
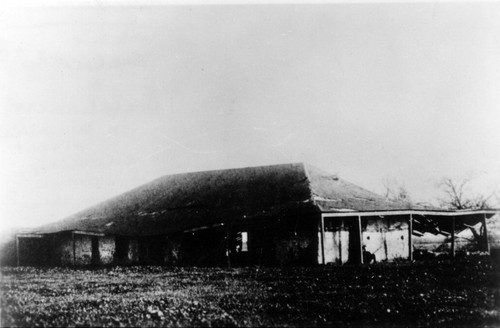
[244, 241]
[240, 242]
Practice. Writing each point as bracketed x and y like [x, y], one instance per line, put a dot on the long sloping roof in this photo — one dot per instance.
[333, 194]
[184, 201]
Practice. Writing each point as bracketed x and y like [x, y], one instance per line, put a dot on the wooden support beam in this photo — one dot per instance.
[322, 224]
[74, 248]
[228, 257]
[17, 251]
[204, 227]
[360, 240]
[410, 237]
[30, 235]
[453, 236]
[405, 212]
[88, 233]
[487, 244]
[340, 240]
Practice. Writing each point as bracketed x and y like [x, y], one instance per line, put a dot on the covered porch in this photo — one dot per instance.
[368, 237]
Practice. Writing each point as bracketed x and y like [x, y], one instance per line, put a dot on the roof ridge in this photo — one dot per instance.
[228, 169]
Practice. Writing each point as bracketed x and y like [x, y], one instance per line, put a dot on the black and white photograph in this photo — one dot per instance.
[249, 163]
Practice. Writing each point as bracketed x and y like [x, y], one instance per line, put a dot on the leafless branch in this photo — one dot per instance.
[396, 191]
[458, 198]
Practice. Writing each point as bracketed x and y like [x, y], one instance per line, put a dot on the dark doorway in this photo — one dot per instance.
[261, 246]
[95, 251]
[32, 251]
[122, 249]
[143, 251]
[156, 250]
[354, 241]
[205, 247]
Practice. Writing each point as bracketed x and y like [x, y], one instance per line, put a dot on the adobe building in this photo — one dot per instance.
[291, 214]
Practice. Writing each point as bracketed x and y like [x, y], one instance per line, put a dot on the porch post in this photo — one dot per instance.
[360, 239]
[17, 250]
[228, 257]
[410, 237]
[453, 236]
[322, 224]
[486, 234]
[74, 251]
[340, 240]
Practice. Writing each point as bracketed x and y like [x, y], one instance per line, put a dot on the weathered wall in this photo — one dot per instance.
[83, 250]
[375, 237]
[397, 239]
[336, 247]
[336, 241]
[386, 238]
[61, 252]
[332, 247]
[107, 249]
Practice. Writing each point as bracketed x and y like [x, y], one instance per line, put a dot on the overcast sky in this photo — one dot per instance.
[96, 100]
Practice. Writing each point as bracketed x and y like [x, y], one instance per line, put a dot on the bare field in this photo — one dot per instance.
[462, 293]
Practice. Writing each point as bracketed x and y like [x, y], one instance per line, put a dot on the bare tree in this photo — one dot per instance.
[396, 191]
[458, 197]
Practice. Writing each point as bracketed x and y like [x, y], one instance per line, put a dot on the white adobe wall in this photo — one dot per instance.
[336, 247]
[63, 249]
[320, 254]
[397, 239]
[83, 250]
[387, 238]
[375, 236]
[107, 249]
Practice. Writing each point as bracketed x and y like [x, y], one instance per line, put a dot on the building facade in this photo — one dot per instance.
[291, 214]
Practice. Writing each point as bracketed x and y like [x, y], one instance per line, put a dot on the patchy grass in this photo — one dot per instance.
[464, 292]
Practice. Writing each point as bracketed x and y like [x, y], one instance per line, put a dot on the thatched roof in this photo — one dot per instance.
[184, 201]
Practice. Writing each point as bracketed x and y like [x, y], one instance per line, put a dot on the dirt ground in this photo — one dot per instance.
[464, 292]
